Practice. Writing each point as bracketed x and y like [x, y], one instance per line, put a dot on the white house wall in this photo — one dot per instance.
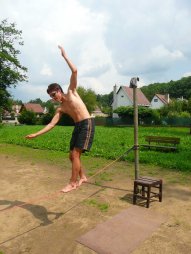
[156, 103]
[122, 99]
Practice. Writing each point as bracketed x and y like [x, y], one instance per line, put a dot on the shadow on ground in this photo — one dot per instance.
[39, 212]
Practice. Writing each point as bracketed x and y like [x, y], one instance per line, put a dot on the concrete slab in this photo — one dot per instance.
[124, 232]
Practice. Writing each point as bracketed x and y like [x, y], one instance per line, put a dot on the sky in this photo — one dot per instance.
[110, 41]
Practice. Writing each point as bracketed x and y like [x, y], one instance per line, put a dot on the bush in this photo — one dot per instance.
[145, 115]
[27, 117]
[46, 118]
[66, 120]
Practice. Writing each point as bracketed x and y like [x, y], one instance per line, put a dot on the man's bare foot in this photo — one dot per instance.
[69, 187]
[82, 180]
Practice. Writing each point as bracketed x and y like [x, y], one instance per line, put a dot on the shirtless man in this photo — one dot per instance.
[83, 133]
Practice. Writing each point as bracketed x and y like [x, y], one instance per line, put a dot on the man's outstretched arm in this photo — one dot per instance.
[73, 79]
[48, 127]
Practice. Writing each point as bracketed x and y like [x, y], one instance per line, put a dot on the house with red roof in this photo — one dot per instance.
[34, 107]
[12, 117]
[124, 97]
[160, 100]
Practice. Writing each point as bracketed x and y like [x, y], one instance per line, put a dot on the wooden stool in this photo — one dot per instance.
[146, 184]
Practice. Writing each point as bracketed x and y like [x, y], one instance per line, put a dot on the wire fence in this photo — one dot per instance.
[147, 121]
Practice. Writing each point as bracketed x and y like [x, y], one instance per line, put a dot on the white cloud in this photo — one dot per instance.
[109, 41]
[187, 74]
[46, 70]
[27, 92]
[93, 84]
[161, 52]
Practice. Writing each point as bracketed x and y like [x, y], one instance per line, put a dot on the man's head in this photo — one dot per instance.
[55, 91]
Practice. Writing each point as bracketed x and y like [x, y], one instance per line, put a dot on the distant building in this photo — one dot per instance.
[124, 97]
[12, 116]
[160, 100]
[182, 99]
[98, 112]
[16, 109]
[34, 107]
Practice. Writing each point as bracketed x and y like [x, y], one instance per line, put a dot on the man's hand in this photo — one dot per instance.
[63, 53]
[30, 136]
[73, 79]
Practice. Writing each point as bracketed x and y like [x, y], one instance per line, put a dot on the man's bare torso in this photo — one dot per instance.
[73, 105]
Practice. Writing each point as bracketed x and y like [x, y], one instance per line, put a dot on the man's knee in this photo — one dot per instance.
[75, 154]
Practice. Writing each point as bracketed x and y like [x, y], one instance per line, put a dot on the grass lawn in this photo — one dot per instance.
[109, 143]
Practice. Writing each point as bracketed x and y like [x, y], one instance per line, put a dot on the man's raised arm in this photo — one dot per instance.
[73, 79]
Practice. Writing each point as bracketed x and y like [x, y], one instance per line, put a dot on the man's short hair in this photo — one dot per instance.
[54, 87]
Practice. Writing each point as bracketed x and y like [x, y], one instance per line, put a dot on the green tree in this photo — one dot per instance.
[104, 102]
[176, 89]
[125, 113]
[5, 102]
[27, 117]
[145, 115]
[66, 120]
[50, 112]
[189, 105]
[176, 107]
[11, 71]
[46, 118]
[51, 108]
[89, 98]
[17, 102]
[38, 101]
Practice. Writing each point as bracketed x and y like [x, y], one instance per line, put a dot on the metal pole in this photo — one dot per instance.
[133, 84]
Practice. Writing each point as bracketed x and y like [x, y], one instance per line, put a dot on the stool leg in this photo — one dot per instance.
[143, 191]
[148, 196]
[160, 192]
